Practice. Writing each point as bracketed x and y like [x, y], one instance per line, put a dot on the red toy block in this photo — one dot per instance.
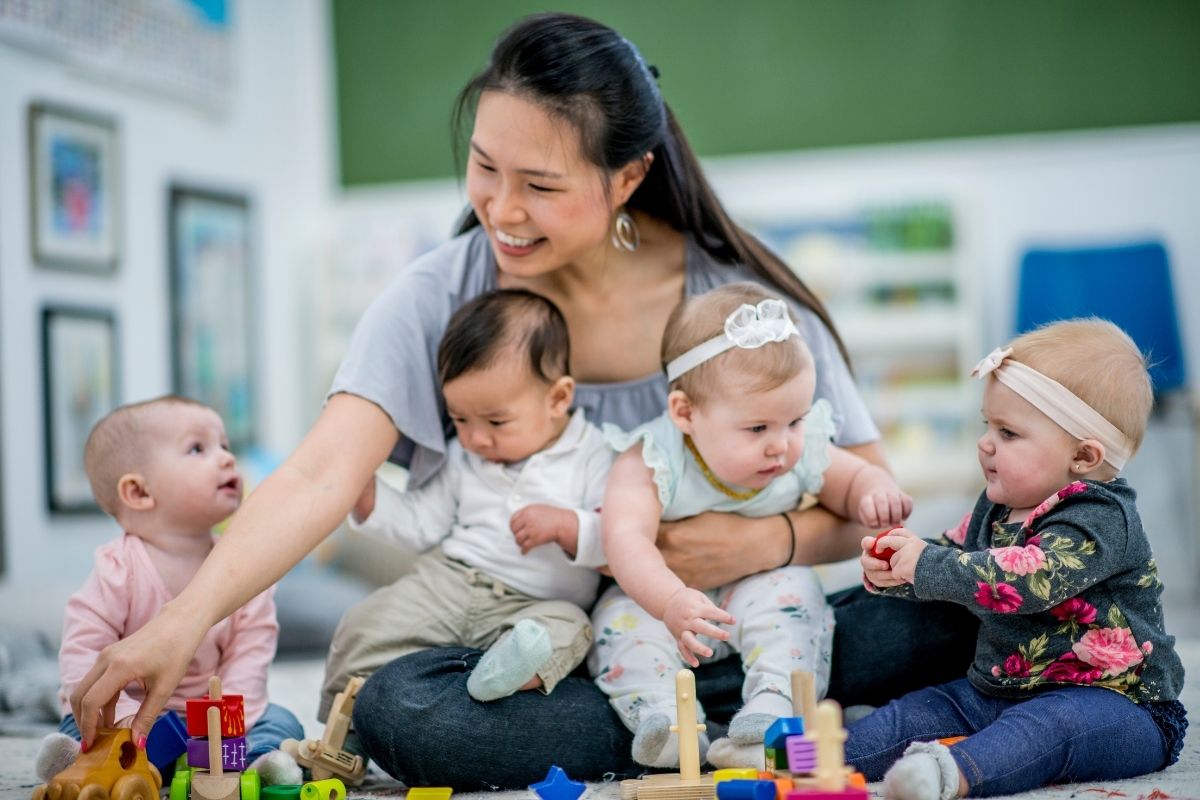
[886, 553]
[233, 715]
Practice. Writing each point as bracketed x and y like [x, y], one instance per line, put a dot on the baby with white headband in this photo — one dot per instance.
[741, 434]
[1074, 676]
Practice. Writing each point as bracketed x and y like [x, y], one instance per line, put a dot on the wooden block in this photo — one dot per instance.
[233, 753]
[206, 786]
[233, 715]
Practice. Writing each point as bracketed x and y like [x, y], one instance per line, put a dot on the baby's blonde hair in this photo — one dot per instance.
[1099, 363]
[700, 318]
[116, 447]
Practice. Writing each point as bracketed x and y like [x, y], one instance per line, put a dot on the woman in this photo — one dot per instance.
[583, 189]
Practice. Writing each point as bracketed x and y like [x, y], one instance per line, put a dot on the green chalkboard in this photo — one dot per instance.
[770, 75]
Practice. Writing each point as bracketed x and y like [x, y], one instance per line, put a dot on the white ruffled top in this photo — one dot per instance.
[685, 492]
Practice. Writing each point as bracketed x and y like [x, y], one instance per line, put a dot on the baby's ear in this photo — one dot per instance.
[679, 409]
[133, 493]
[561, 395]
[1089, 455]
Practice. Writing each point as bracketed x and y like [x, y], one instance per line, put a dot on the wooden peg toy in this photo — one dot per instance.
[831, 777]
[326, 758]
[688, 783]
[216, 784]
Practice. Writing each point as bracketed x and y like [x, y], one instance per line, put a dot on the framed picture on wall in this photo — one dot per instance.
[80, 380]
[73, 189]
[212, 296]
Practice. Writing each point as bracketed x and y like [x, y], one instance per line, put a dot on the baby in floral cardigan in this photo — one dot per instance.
[1074, 677]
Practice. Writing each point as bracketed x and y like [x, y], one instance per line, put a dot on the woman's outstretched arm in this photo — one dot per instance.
[714, 549]
[296, 507]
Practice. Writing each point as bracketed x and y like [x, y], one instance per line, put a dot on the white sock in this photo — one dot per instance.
[58, 751]
[728, 754]
[511, 662]
[749, 725]
[654, 745]
[926, 771]
[277, 768]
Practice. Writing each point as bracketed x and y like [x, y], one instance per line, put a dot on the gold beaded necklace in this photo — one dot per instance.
[713, 480]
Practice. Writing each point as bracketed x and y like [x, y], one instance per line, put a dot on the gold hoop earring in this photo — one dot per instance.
[625, 234]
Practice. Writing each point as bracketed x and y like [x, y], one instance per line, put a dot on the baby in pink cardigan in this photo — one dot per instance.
[163, 470]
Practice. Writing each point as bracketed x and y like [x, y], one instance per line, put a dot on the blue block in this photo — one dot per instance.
[557, 786]
[167, 741]
[776, 736]
[746, 790]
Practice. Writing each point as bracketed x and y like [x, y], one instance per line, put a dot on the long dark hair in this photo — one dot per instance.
[589, 75]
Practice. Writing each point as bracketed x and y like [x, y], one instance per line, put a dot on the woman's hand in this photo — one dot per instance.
[713, 549]
[155, 658]
[687, 616]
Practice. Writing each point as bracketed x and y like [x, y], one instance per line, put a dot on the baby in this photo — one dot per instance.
[511, 522]
[741, 434]
[1075, 677]
[162, 468]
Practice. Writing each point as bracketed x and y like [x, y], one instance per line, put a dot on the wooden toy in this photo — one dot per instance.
[233, 753]
[557, 786]
[688, 784]
[232, 712]
[283, 791]
[831, 779]
[740, 789]
[216, 784]
[430, 793]
[328, 789]
[735, 774]
[326, 758]
[167, 741]
[112, 768]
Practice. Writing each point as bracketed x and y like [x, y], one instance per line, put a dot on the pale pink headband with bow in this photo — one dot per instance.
[1057, 402]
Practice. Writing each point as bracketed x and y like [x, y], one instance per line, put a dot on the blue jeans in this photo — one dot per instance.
[275, 725]
[1064, 735]
[413, 715]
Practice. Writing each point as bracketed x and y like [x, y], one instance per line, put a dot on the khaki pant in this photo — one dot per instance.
[445, 603]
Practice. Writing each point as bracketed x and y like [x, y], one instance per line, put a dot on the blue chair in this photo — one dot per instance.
[1129, 285]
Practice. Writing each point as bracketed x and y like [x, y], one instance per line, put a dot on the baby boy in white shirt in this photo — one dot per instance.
[515, 511]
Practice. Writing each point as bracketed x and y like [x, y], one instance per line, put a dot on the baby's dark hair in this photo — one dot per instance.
[506, 320]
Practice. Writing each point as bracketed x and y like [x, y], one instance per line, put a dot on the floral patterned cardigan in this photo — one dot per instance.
[1069, 596]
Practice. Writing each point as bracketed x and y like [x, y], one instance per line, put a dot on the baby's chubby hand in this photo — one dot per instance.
[901, 567]
[884, 507]
[687, 616]
[538, 524]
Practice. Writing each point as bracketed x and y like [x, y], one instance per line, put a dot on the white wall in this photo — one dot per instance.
[273, 143]
[1008, 193]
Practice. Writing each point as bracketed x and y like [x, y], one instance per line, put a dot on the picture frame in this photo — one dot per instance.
[80, 379]
[212, 284]
[74, 189]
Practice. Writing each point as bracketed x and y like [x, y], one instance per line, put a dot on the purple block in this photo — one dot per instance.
[801, 754]
[233, 753]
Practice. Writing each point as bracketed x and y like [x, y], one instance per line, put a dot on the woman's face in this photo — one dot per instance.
[541, 202]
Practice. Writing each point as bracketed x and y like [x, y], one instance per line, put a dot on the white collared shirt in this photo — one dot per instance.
[467, 507]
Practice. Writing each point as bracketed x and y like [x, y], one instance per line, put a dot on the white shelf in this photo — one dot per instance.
[884, 328]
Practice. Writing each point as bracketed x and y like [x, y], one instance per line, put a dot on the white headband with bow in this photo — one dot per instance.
[749, 327]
